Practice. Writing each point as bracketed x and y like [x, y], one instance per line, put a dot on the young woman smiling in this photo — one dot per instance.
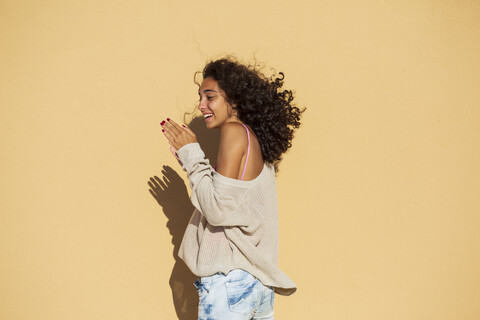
[231, 242]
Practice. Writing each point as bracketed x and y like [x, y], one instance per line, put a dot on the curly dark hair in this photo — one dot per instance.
[260, 102]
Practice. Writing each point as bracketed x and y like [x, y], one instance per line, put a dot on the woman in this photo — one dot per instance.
[231, 242]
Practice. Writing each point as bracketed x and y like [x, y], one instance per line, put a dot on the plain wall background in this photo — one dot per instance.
[379, 197]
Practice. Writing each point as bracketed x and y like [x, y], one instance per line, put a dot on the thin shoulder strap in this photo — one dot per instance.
[248, 150]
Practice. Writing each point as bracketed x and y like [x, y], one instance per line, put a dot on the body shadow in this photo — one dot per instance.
[171, 194]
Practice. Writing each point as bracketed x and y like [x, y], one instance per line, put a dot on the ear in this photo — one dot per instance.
[232, 109]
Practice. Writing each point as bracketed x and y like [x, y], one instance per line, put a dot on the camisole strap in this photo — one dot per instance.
[248, 151]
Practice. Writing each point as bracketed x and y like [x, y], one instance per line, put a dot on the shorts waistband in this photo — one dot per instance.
[221, 275]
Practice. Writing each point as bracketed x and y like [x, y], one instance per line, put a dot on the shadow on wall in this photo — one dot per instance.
[208, 139]
[172, 195]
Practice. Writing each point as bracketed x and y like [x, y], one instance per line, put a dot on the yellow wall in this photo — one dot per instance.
[379, 197]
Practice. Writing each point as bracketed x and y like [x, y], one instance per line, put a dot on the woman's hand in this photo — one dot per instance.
[177, 136]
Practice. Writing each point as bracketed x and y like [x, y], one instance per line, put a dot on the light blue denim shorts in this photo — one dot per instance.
[235, 296]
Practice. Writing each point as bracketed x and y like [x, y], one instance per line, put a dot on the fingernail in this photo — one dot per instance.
[163, 130]
[183, 126]
[163, 122]
[168, 119]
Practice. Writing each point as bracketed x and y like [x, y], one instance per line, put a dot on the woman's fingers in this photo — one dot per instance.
[172, 147]
[174, 152]
[175, 126]
[170, 137]
[174, 139]
[171, 126]
[176, 135]
[190, 132]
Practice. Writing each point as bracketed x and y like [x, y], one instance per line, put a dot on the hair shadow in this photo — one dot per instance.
[208, 139]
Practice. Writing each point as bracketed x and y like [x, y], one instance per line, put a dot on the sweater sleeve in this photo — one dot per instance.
[217, 202]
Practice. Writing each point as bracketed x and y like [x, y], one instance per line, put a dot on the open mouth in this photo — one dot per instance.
[208, 116]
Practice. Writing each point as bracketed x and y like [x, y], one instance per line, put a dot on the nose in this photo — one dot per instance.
[201, 105]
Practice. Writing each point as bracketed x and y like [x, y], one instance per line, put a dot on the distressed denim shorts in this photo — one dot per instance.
[235, 296]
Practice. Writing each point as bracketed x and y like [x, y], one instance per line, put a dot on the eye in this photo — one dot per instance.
[209, 98]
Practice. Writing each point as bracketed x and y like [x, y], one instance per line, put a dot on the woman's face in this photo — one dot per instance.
[213, 105]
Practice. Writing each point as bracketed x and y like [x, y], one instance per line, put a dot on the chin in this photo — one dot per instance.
[211, 125]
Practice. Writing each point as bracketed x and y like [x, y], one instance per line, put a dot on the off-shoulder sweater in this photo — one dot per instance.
[234, 224]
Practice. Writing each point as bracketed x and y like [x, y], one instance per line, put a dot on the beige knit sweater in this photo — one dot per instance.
[234, 225]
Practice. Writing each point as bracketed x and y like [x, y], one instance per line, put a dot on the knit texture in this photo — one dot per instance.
[234, 224]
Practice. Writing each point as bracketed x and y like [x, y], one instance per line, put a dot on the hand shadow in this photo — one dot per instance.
[172, 195]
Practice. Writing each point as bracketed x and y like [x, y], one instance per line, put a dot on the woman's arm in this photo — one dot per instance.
[217, 202]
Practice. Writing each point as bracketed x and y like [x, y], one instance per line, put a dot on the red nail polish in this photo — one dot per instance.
[168, 119]
[163, 122]
[183, 126]
[163, 130]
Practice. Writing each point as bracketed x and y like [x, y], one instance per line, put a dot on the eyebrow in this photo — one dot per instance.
[208, 90]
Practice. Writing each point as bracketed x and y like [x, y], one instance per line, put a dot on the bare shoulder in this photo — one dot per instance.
[231, 149]
[232, 128]
[233, 133]
[233, 153]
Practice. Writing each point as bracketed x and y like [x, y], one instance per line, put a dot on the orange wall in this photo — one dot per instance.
[379, 197]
